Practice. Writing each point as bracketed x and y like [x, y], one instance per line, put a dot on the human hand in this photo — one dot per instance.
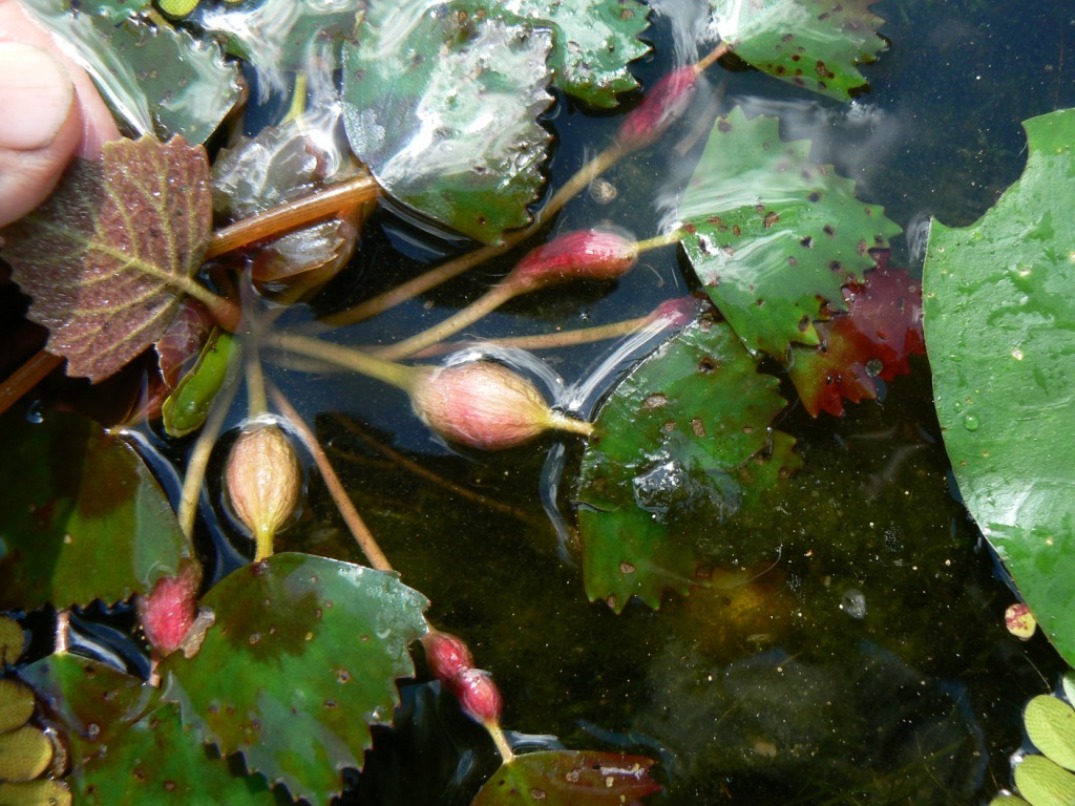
[49, 112]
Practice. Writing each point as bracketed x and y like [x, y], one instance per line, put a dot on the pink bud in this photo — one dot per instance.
[169, 611]
[447, 655]
[661, 107]
[483, 404]
[584, 255]
[478, 695]
[676, 312]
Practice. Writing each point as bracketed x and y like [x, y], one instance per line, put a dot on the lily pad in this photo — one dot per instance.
[593, 41]
[125, 745]
[441, 103]
[813, 44]
[160, 80]
[81, 516]
[772, 236]
[569, 778]
[302, 659]
[999, 300]
[661, 472]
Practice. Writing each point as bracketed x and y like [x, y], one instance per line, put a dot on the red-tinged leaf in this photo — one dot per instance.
[570, 778]
[108, 255]
[874, 339]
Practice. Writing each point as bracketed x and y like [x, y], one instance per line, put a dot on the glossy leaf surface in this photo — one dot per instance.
[158, 79]
[441, 103]
[185, 409]
[661, 471]
[303, 657]
[593, 41]
[569, 778]
[81, 516]
[772, 236]
[999, 307]
[813, 44]
[125, 745]
[106, 256]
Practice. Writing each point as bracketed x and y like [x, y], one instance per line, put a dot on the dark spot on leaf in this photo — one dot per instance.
[689, 228]
[795, 57]
[814, 196]
[724, 126]
[139, 774]
[792, 261]
[807, 242]
[707, 365]
[698, 427]
[828, 230]
[669, 427]
[611, 601]
[169, 786]
[330, 704]
[804, 323]
[626, 568]
[787, 37]
[654, 401]
[343, 676]
[835, 265]
[770, 219]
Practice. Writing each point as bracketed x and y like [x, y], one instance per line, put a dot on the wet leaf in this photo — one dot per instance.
[185, 409]
[115, 11]
[662, 471]
[999, 303]
[1050, 725]
[107, 256]
[303, 657]
[593, 42]
[441, 103]
[81, 516]
[813, 44]
[157, 78]
[1044, 783]
[125, 745]
[772, 236]
[874, 339]
[570, 778]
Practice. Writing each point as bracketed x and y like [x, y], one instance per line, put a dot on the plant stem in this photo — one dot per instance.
[350, 515]
[500, 740]
[290, 215]
[397, 375]
[657, 241]
[712, 57]
[256, 403]
[30, 374]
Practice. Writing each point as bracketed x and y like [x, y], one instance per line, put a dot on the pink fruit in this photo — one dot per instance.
[478, 695]
[661, 107]
[447, 655]
[584, 255]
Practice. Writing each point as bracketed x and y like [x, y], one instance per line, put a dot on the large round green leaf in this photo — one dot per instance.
[441, 103]
[661, 472]
[569, 778]
[773, 236]
[813, 44]
[124, 745]
[1000, 334]
[302, 659]
[81, 516]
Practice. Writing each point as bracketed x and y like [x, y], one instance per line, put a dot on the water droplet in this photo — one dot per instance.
[970, 422]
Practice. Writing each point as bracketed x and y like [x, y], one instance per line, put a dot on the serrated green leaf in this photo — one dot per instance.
[813, 44]
[772, 236]
[125, 745]
[441, 103]
[1050, 724]
[1044, 783]
[302, 659]
[593, 42]
[569, 778]
[662, 469]
[106, 258]
[999, 300]
[81, 516]
[115, 11]
[158, 79]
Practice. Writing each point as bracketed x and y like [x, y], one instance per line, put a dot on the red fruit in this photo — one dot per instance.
[447, 655]
[661, 107]
[584, 255]
[169, 611]
[478, 695]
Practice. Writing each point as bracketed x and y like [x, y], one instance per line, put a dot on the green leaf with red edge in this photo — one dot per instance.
[772, 236]
[81, 516]
[301, 660]
[874, 339]
[813, 44]
[662, 470]
[124, 745]
[106, 258]
[570, 778]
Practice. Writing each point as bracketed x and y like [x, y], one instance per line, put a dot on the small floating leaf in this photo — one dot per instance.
[303, 657]
[569, 778]
[772, 236]
[25, 753]
[813, 44]
[999, 304]
[16, 704]
[185, 409]
[45, 792]
[441, 103]
[1044, 783]
[106, 257]
[81, 516]
[1050, 724]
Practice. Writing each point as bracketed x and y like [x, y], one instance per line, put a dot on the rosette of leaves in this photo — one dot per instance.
[999, 305]
[813, 44]
[773, 237]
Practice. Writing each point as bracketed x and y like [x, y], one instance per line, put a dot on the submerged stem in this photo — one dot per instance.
[397, 375]
[30, 374]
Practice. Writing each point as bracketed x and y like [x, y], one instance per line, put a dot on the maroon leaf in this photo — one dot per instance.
[108, 255]
[874, 339]
[570, 778]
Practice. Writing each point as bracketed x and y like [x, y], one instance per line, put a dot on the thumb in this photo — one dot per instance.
[40, 126]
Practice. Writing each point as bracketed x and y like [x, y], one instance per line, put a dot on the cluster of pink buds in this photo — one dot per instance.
[451, 662]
